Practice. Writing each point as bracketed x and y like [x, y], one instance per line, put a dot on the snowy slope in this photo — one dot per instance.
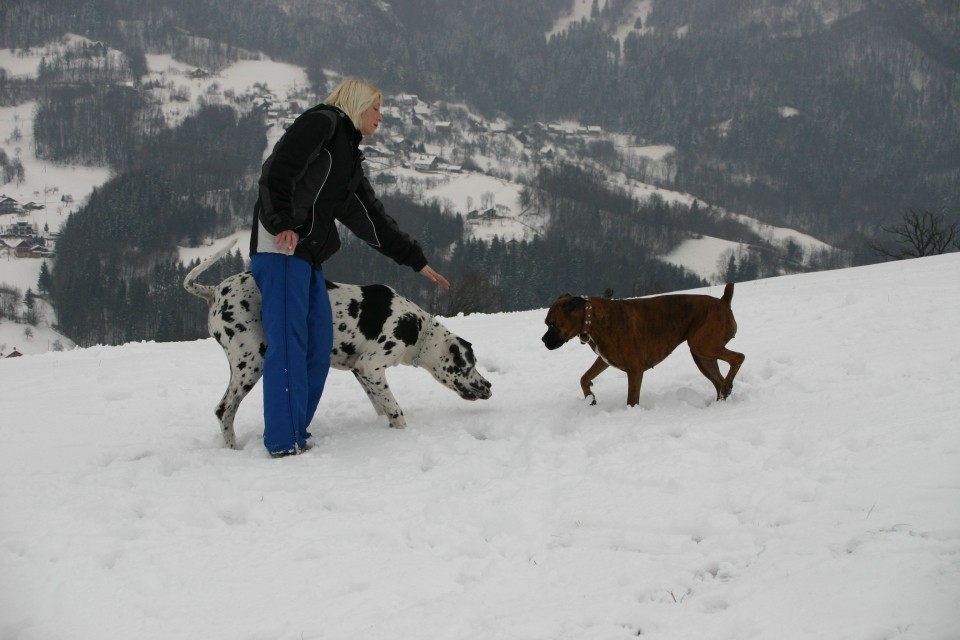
[821, 501]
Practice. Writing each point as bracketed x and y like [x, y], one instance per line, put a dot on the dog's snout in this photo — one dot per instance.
[552, 340]
[475, 389]
[484, 390]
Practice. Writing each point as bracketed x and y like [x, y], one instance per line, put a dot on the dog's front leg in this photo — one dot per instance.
[381, 397]
[586, 380]
[372, 393]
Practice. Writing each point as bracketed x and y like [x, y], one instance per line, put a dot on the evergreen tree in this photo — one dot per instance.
[44, 281]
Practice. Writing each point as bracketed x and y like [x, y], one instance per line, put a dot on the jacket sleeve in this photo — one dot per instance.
[297, 148]
[369, 221]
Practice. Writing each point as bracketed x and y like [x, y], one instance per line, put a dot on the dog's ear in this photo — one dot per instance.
[571, 304]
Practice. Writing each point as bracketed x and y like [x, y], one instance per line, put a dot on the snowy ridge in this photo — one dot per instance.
[820, 501]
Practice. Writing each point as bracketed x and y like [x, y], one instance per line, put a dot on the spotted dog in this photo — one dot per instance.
[374, 328]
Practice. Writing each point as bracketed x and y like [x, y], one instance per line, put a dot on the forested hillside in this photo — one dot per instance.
[832, 117]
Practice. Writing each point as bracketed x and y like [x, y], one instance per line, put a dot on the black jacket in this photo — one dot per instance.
[315, 176]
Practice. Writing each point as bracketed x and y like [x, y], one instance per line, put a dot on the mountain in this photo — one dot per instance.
[778, 136]
[489, 196]
[831, 116]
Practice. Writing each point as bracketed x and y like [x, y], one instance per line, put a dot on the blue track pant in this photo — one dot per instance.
[298, 325]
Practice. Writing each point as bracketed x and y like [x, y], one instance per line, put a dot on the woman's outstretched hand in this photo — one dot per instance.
[428, 273]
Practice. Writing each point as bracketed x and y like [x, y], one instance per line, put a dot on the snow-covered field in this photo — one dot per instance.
[821, 501]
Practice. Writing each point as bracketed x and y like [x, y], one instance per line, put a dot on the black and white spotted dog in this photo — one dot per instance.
[374, 328]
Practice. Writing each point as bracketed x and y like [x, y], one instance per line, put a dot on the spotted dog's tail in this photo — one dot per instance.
[204, 291]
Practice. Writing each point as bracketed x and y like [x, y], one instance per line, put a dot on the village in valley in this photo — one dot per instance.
[25, 248]
[20, 237]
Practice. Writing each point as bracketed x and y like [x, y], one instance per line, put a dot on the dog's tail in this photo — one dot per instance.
[727, 293]
[201, 290]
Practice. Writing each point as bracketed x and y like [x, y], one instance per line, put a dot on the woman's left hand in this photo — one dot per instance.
[287, 241]
[428, 273]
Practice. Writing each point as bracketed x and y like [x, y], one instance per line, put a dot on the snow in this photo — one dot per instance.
[25, 63]
[788, 112]
[239, 77]
[782, 235]
[819, 501]
[478, 192]
[45, 183]
[581, 10]
[637, 9]
[704, 256]
[465, 192]
[657, 151]
[21, 64]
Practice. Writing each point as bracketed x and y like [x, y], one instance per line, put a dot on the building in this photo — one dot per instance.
[8, 205]
[20, 229]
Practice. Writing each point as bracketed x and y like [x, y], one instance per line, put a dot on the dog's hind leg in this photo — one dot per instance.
[242, 380]
[381, 397]
[227, 411]
[586, 380]
[708, 360]
[735, 360]
[711, 371]
[634, 380]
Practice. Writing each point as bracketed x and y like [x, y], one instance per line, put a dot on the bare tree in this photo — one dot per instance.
[9, 302]
[475, 293]
[921, 233]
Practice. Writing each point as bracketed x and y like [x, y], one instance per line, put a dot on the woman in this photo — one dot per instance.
[313, 177]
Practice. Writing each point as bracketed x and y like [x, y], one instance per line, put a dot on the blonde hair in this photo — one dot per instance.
[354, 97]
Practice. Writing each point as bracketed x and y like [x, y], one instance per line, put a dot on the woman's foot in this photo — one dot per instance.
[297, 450]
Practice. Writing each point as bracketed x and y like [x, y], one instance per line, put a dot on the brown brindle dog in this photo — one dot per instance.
[637, 334]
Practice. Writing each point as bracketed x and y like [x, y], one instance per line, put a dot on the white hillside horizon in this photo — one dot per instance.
[819, 501]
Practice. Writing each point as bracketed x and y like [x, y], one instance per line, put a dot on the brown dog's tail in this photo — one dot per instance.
[728, 293]
[201, 290]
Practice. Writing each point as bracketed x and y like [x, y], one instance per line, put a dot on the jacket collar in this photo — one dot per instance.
[352, 130]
